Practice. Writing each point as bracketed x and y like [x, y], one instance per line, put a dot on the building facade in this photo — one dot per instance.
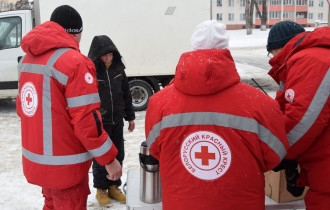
[8, 5]
[318, 11]
[305, 12]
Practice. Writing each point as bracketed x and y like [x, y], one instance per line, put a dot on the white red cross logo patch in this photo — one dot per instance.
[29, 99]
[89, 78]
[205, 155]
[289, 95]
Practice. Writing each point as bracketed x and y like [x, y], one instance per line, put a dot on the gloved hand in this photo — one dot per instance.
[291, 176]
[285, 163]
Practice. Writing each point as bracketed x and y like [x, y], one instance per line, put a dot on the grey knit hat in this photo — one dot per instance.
[281, 33]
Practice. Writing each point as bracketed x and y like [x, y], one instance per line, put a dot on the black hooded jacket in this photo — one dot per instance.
[116, 99]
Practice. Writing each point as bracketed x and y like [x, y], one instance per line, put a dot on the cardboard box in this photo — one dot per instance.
[275, 187]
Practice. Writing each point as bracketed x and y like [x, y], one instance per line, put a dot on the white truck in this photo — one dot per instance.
[150, 34]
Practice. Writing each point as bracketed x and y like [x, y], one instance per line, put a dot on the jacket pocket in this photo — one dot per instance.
[101, 84]
[118, 80]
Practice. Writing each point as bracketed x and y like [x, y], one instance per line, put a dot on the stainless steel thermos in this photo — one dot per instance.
[150, 187]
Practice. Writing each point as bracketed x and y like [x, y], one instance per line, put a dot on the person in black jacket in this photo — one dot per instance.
[116, 104]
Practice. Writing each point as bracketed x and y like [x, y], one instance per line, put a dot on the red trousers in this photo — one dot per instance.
[73, 198]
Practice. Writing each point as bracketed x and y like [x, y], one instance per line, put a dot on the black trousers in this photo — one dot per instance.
[116, 134]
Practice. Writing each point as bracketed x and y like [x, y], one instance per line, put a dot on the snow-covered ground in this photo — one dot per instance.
[17, 194]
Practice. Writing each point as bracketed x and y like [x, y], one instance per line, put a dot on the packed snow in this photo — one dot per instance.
[250, 55]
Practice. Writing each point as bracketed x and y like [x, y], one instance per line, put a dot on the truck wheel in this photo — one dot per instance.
[140, 91]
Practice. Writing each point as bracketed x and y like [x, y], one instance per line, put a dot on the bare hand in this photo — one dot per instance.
[131, 126]
[114, 170]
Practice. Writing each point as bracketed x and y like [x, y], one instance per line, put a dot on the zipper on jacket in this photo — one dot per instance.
[107, 70]
[98, 123]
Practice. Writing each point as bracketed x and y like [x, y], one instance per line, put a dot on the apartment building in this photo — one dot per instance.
[229, 12]
[304, 12]
[7, 5]
[318, 10]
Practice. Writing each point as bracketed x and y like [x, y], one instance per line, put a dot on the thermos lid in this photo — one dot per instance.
[144, 144]
[144, 148]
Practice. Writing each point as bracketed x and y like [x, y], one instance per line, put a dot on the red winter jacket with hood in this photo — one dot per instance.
[302, 70]
[213, 135]
[58, 105]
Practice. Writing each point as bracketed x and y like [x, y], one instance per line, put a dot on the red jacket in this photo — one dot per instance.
[213, 135]
[302, 70]
[58, 104]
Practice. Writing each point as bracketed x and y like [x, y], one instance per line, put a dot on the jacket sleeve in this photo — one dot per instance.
[18, 105]
[83, 106]
[273, 141]
[307, 103]
[129, 109]
[150, 121]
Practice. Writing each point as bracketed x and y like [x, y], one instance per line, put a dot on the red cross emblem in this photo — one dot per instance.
[28, 99]
[289, 95]
[88, 78]
[204, 155]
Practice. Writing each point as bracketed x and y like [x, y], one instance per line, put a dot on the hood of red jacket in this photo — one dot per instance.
[320, 37]
[204, 72]
[47, 36]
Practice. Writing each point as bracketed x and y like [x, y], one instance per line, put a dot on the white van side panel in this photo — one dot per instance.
[8, 57]
[149, 40]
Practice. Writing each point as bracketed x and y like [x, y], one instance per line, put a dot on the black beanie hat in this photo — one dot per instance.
[68, 18]
[281, 33]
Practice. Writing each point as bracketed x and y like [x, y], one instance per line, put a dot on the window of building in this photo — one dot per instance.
[301, 2]
[274, 15]
[231, 16]
[242, 16]
[257, 16]
[310, 16]
[301, 15]
[275, 2]
[288, 2]
[5, 6]
[288, 15]
[320, 16]
[219, 3]
[320, 3]
[259, 2]
[242, 3]
[219, 16]
[231, 3]
[311, 3]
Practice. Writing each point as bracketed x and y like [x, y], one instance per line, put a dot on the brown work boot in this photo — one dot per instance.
[102, 197]
[115, 193]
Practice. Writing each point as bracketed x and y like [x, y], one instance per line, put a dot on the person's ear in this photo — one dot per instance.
[77, 37]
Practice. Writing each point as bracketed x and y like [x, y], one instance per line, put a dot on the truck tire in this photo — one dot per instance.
[141, 92]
